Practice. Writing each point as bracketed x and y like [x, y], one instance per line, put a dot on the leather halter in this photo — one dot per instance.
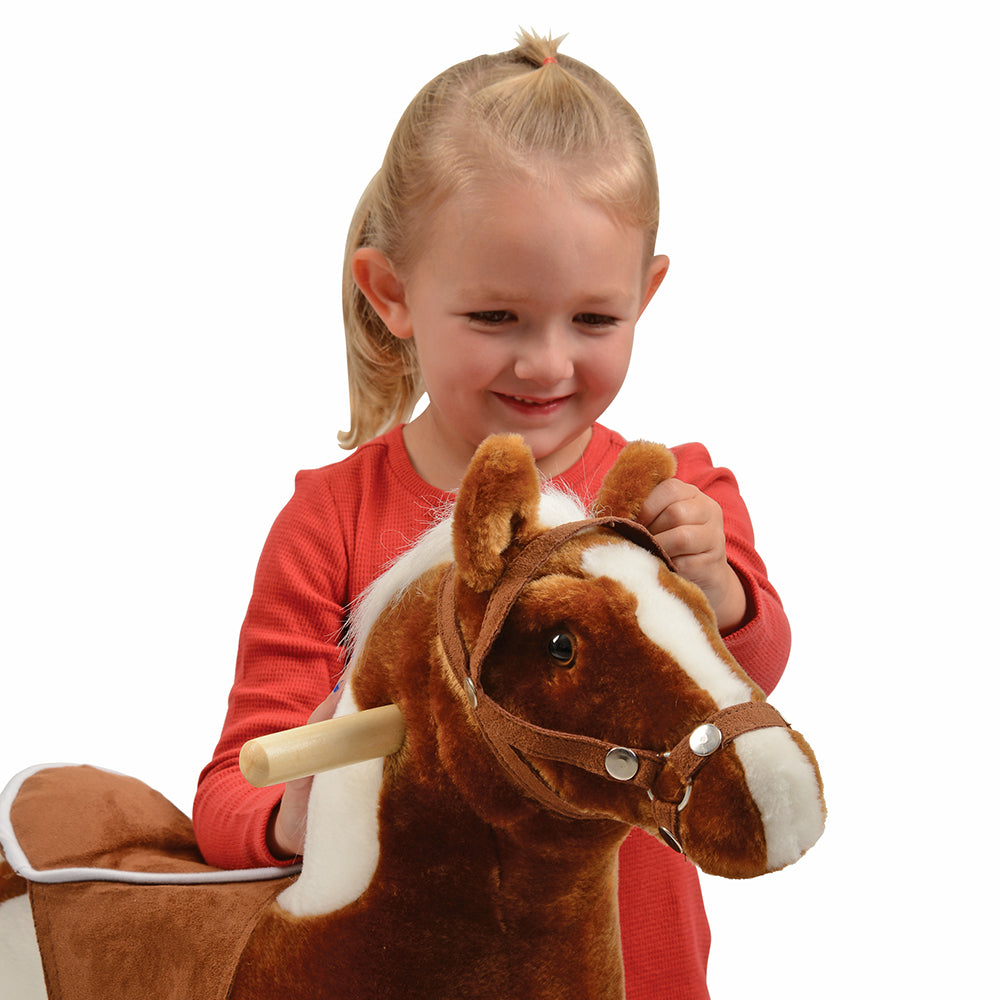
[511, 738]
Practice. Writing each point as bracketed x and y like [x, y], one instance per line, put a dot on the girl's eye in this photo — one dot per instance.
[595, 319]
[562, 649]
[492, 317]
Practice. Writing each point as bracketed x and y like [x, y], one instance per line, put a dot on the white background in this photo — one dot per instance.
[175, 185]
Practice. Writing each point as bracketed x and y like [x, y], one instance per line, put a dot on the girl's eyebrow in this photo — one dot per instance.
[498, 294]
[609, 296]
[492, 293]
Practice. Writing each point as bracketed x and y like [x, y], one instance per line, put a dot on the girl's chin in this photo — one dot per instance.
[553, 458]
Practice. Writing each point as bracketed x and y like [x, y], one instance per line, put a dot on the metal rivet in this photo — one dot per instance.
[706, 739]
[470, 692]
[622, 764]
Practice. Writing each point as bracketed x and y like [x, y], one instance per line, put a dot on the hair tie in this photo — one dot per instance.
[549, 59]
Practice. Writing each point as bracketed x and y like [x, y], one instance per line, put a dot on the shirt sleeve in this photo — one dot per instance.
[288, 660]
[761, 645]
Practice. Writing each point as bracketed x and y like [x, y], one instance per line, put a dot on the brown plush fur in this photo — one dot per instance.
[495, 512]
[480, 891]
[628, 483]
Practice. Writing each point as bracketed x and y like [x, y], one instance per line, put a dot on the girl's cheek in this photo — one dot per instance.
[483, 360]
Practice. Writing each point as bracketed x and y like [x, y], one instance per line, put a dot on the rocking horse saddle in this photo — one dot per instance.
[111, 863]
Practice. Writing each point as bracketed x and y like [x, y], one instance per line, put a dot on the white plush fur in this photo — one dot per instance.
[341, 852]
[433, 548]
[20, 962]
[783, 784]
[667, 620]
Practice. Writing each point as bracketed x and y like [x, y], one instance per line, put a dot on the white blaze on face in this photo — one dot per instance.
[667, 620]
[779, 776]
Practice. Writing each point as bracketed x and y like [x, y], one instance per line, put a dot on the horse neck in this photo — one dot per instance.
[527, 909]
[530, 842]
[547, 886]
[450, 798]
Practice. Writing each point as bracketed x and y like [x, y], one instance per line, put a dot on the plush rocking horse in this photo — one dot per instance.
[542, 681]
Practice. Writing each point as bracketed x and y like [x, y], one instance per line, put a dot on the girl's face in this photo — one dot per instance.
[522, 305]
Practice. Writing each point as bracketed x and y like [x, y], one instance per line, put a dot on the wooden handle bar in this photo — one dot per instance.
[322, 746]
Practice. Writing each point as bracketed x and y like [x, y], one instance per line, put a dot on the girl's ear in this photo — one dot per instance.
[376, 277]
[656, 273]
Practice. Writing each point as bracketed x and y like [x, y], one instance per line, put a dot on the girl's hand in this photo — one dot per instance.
[286, 832]
[688, 525]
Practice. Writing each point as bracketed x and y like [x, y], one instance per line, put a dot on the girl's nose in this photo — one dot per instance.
[545, 358]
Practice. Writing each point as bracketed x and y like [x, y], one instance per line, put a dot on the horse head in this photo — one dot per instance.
[597, 677]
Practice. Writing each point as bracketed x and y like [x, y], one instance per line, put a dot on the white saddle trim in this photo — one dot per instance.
[19, 861]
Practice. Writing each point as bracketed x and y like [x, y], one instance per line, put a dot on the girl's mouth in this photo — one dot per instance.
[531, 406]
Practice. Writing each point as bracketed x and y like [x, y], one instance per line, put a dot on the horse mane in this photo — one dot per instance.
[433, 547]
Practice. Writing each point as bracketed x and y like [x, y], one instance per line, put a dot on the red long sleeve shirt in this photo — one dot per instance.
[343, 525]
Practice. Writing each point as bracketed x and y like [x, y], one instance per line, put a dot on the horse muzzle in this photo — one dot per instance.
[741, 795]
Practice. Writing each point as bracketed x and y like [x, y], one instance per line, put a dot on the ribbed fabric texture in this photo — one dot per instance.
[343, 525]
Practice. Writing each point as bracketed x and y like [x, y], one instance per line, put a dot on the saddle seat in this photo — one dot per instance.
[123, 902]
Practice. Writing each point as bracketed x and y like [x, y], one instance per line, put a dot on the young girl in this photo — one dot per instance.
[498, 261]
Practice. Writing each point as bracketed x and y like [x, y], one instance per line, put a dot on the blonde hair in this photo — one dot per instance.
[521, 114]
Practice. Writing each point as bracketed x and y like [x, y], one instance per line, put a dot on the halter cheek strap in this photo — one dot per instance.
[511, 738]
[508, 736]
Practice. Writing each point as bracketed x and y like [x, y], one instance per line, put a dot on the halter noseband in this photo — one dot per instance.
[510, 737]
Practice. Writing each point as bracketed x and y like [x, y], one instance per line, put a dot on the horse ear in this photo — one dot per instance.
[639, 467]
[497, 504]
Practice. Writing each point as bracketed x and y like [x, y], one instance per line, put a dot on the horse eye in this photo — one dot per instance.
[562, 649]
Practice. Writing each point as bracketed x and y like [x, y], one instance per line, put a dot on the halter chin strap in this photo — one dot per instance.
[512, 738]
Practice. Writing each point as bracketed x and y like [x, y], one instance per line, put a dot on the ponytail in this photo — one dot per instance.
[383, 376]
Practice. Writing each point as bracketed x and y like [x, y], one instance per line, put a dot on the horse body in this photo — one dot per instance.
[480, 859]
[456, 908]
